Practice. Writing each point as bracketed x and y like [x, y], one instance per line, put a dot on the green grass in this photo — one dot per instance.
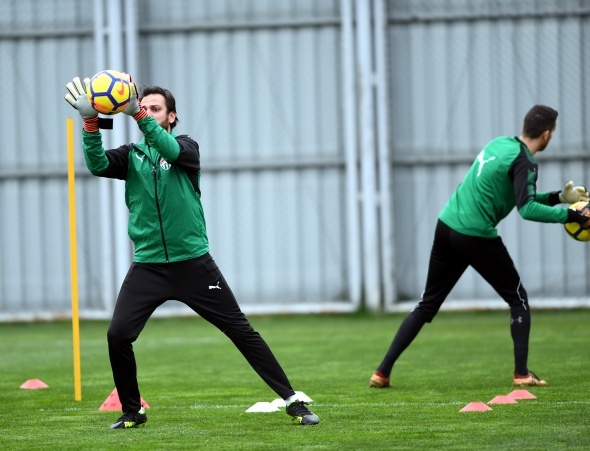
[199, 386]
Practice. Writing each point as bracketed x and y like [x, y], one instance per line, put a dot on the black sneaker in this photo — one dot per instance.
[301, 413]
[130, 419]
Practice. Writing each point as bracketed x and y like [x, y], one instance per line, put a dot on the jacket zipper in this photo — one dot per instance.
[159, 212]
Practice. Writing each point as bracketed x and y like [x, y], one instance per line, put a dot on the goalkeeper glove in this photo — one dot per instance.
[134, 108]
[572, 194]
[78, 98]
[582, 216]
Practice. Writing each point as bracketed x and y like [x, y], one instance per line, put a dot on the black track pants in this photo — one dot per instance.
[452, 253]
[199, 284]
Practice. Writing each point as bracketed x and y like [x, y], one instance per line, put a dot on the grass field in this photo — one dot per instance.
[198, 386]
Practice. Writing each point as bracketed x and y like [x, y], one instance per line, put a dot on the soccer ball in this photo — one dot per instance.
[109, 92]
[575, 230]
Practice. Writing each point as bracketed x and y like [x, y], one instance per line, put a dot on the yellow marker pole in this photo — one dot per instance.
[74, 261]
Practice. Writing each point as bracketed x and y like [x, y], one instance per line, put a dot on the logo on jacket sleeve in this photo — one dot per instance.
[164, 164]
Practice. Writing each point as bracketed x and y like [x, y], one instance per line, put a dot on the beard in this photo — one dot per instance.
[165, 125]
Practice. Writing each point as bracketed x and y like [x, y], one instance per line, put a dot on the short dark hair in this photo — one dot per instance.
[538, 120]
[147, 90]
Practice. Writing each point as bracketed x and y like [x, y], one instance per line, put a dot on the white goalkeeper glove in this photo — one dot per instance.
[78, 99]
[133, 108]
[572, 194]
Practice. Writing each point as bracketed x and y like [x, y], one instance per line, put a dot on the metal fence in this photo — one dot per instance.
[331, 134]
[462, 73]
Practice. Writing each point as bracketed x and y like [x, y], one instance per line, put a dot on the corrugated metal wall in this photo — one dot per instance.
[259, 90]
[41, 45]
[259, 86]
[463, 72]
[262, 101]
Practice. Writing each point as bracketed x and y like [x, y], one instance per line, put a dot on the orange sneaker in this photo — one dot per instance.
[530, 379]
[379, 381]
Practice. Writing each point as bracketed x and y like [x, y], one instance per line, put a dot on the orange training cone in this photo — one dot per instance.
[502, 400]
[521, 394]
[475, 407]
[112, 402]
[33, 384]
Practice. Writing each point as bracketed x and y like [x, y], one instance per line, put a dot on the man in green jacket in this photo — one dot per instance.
[172, 260]
[503, 176]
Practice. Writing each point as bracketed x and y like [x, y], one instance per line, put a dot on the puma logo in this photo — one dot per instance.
[215, 287]
[481, 161]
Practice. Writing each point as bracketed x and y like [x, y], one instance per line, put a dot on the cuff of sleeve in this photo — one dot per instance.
[554, 198]
[142, 114]
[578, 216]
[91, 125]
[573, 216]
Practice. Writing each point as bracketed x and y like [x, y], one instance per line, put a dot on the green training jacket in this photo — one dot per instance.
[503, 175]
[162, 193]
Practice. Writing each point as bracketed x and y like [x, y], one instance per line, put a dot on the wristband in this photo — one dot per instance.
[91, 125]
[554, 198]
[579, 217]
[142, 114]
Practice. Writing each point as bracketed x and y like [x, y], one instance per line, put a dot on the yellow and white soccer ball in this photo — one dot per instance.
[109, 92]
[575, 230]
